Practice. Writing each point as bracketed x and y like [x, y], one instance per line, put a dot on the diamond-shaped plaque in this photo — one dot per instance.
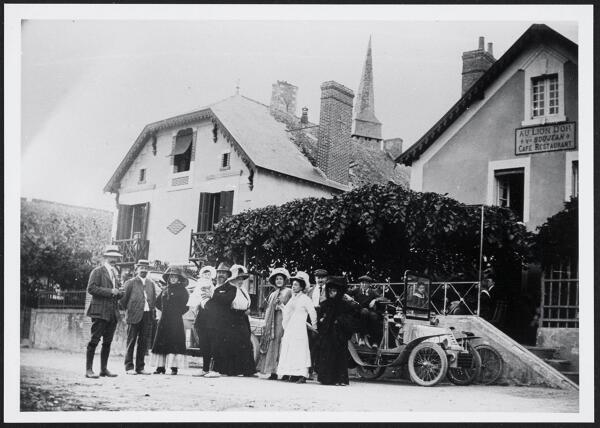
[176, 226]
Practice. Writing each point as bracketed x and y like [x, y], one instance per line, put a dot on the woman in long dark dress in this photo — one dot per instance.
[335, 328]
[169, 344]
[232, 352]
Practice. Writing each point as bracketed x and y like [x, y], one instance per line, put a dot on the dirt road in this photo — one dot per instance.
[53, 380]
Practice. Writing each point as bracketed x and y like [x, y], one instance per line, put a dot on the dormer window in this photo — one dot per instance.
[225, 160]
[544, 96]
[182, 150]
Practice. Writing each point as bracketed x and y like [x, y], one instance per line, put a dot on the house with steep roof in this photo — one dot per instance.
[183, 174]
[511, 139]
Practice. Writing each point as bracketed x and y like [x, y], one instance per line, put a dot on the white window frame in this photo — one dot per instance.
[525, 164]
[221, 167]
[569, 158]
[545, 62]
[189, 173]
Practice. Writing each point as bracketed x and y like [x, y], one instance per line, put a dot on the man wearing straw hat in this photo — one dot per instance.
[139, 300]
[103, 285]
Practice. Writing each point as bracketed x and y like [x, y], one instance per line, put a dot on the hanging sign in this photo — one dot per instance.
[545, 138]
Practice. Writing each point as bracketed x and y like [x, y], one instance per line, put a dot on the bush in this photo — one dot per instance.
[557, 241]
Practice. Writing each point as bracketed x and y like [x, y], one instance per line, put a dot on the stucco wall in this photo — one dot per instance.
[460, 167]
[69, 329]
[169, 203]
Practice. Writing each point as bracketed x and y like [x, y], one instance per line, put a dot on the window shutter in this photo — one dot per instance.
[145, 219]
[203, 212]
[226, 205]
[123, 222]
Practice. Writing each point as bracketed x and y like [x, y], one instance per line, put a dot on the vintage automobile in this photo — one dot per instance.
[412, 339]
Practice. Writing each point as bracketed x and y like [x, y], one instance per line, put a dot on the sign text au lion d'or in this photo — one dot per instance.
[545, 138]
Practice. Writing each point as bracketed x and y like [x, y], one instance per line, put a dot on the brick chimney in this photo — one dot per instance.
[283, 97]
[304, 117]
[475, 64]
[335, 126]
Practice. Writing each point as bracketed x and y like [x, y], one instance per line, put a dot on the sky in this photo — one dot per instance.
[88, 87]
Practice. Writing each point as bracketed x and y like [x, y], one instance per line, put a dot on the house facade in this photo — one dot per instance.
[184, 174]
[511, 139]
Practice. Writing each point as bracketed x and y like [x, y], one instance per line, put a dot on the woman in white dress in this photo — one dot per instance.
[294, 355]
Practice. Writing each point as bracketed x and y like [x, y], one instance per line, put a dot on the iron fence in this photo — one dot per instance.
[559, 298]
[74, 299]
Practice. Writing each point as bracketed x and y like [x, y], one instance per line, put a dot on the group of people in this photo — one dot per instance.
[305, 333]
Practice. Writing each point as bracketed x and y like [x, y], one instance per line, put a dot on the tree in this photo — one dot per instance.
[557, 239]
[60, 243]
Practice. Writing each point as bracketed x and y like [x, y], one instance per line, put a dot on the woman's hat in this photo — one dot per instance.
[338, 282]
[365, 278]
[223, 267]
[112, 251]
[278, 271]
[212, 270]
[238, 272]
[178, 271]
[302, 277]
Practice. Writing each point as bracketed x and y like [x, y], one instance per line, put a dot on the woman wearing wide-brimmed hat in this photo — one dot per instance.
[232, 353]
[294, 359]
[169, 344]
[335, 328]
[270, 340]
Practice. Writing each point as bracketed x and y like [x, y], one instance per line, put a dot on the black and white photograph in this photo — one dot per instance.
[298, 213]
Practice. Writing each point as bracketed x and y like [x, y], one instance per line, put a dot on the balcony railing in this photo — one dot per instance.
[132, 249]
[199, 243]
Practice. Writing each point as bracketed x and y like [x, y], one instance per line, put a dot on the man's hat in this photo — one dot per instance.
[301, 277]
[178, 271]
[143, 263]
[365, 278]
[320, 272]
[213, 272]
[278, 271]
[338, 282]
[224, 267]
[238, 272]
[112, 251]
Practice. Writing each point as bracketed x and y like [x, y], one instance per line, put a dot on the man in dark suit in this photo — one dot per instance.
[139, 300]
[103, 285]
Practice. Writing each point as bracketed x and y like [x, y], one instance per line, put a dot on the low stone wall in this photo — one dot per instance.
[566, 340]
[69, 330]
[521, 367]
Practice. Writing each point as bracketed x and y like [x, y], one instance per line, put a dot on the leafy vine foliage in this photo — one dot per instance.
[380, 230]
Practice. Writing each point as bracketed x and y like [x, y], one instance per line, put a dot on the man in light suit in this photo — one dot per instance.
[139, 300]
[103, 286]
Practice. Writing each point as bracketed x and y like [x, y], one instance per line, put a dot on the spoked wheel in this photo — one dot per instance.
[369, 372]
[427, 364]
[466, 375]
[492, 364]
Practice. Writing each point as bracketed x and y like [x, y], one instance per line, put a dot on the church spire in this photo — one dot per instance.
[365, 123]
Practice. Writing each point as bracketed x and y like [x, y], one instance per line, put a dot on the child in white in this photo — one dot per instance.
[294, 356]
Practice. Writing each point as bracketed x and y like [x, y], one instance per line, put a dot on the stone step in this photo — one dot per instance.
[542, 352]
[573, 376]
[558, 364]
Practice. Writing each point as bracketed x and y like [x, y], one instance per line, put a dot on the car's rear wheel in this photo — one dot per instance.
[427, 364]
